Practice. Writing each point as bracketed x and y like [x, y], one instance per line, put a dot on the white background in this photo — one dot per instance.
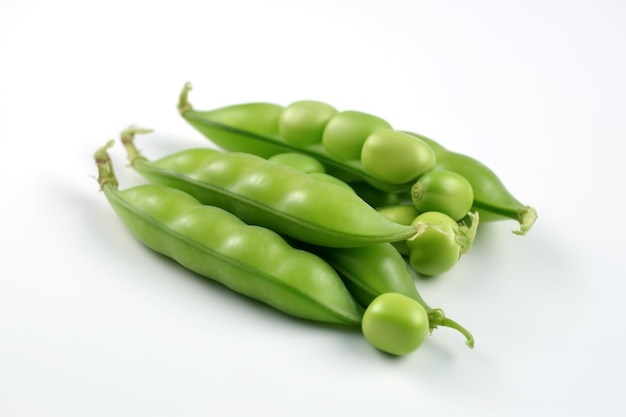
[93, 324]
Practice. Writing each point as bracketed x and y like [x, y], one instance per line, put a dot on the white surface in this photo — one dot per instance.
[93, 324]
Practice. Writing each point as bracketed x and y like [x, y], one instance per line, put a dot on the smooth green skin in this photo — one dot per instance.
[320, 176]
[250, 260]
[435, 250]
[491, 198]
[401, 214]
[267, 194]
[302, 162]
[372, 270]
[302, 123]
[347, 131]
[444, 191]
[253, 128]
[396, 157]
[395, 324]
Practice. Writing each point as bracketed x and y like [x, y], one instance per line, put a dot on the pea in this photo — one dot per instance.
[396, 157]
[267, 194]
[444, 191]
[255, 128]
[440, 244]
[395, 324]
[302, 162]
[491, 198]
[401, 214]
[251, 260]
[372, 270]
[302, 123]
[346, 132]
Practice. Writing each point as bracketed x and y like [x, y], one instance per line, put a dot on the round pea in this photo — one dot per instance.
[435, 250]
[443, 191]
[402, 214]
[395, 323]
[396, 157]
[302, 162]
[346, 132]
[302, 122]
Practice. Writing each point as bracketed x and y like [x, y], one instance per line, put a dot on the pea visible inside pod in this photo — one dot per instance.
[396, 157]
[346, 132]
[444, 191]
[302, 123]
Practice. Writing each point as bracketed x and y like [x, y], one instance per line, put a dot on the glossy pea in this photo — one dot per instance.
[401, 214]
[250, 260]
[395, 324]
[396, 157]
[443, 191]
[302, 123]
[441, 242]
[267, 194]
[302, 162]
[491, 198]
[373, 270]
[256, 128]
[346, 132]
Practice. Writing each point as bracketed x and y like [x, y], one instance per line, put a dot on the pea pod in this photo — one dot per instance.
[334, 138]
[492, 200]
[373, 270]
[250, 260]
[268, 194]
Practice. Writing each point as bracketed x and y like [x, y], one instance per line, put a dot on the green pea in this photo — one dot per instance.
[396, 157]
[255, 128]
[267, 194]
[444, 191]
[302, 123]
[491, 198]
[346, 132]
[441, 242]
[395, 324]
[250, 260]
[401, 214]
[302, 162]
[372, 270]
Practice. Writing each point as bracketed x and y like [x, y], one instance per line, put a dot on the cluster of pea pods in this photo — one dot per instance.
[325, 215]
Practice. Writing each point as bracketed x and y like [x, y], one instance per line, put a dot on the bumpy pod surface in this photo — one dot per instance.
[250, 260]
[275, 196]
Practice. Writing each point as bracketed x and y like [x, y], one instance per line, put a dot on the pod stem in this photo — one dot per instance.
[128, 140]
[183, 102]
[106, 174]
[526, 217]
[469, 339]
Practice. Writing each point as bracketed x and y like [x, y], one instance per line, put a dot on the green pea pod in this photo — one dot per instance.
[372, 270]
[250, 260]
[281, 198]
[254, 128]
[492, 200]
